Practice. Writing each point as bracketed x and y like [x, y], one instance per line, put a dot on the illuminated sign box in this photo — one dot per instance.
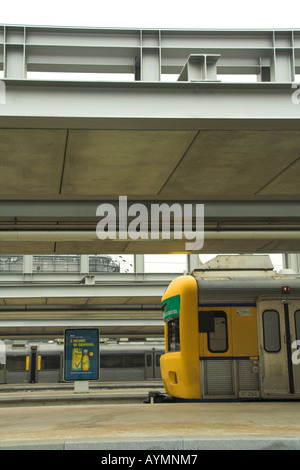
[81, 354]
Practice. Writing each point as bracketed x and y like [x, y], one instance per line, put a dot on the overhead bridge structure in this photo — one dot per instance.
[185, 116]
[160, 116]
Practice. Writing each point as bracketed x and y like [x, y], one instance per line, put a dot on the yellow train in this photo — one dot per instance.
[232, 331]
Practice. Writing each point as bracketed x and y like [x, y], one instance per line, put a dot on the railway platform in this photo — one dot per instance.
[121, 426]
[64, 394]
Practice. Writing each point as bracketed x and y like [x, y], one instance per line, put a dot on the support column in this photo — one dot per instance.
[150, 56]
[27, 267]
[139, 264]
[292, 261]
[282, 58]
[192, 262]
[84, 264]
[150, 65]
[14, 52]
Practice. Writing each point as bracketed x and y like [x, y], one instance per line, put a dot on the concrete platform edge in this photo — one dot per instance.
[175, 444]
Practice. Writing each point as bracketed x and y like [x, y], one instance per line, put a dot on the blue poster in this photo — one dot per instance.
[82, 354]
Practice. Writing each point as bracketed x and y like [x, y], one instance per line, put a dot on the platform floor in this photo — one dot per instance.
[159, 426]
[64, 394]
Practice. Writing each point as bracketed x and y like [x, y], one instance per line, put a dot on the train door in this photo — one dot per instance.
[152, 365]
[216, 356]
[157, 372]
[279, 337]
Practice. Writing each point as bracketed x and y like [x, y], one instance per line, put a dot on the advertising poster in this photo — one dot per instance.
[81, 354]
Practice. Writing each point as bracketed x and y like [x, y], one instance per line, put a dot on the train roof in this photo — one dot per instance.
[236, 265]
[242, 279]
[130, 347]
[245, 290]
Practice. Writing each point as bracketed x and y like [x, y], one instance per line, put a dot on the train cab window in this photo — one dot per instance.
[271, 330]
[218, 338]
[173, 335]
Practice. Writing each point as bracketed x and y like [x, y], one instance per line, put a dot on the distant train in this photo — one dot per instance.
[43, 362]
[232, 331]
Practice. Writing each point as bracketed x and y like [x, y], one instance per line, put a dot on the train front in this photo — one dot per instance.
[180, 363]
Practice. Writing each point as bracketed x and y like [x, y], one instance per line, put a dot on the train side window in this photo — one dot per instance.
[122, 360]
[297, 324]
[14, 363]
[149, 360]
[218, 338]
[271, 331]
[50, 362]
[173, 335]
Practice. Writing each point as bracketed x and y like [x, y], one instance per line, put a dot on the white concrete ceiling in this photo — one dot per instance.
[182, 165]
[153, 164]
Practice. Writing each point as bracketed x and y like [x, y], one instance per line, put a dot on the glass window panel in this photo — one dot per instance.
[173, 335]
[14, 363]
[50, 362]
[271, 331]
[218, 340]
[122, 360]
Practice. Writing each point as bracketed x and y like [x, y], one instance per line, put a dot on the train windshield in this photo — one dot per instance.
[173, 335]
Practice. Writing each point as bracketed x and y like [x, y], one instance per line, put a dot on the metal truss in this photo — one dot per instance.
[148, 54]
[199, 60]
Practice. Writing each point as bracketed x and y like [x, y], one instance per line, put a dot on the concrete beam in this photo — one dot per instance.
[82, 210]
[180, 105]
[110, 289]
